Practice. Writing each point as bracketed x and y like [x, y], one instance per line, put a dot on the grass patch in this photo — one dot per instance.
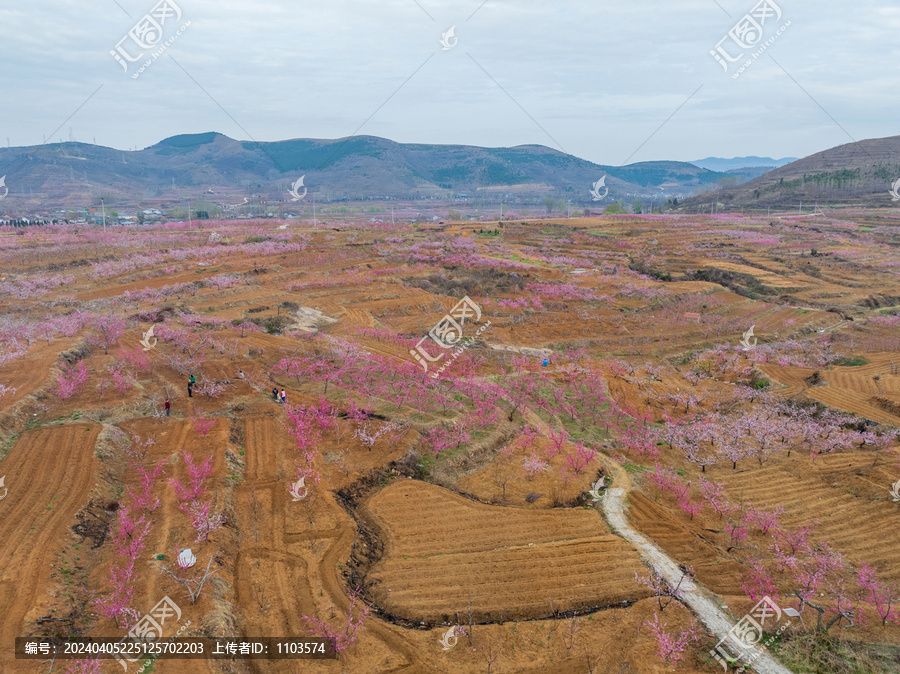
[846, 361]
[809, 652]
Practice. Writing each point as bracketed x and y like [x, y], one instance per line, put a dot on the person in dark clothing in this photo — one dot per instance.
[190, 389]
[168, 407]
[275, 394]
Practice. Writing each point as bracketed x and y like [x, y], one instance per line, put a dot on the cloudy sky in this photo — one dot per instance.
[611, 81]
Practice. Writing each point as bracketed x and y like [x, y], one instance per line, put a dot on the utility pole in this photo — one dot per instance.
[103, 206]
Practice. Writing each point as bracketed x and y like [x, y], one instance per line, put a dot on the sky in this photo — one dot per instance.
[610, 81]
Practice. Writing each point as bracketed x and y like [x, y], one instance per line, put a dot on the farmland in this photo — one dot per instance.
[461, 516]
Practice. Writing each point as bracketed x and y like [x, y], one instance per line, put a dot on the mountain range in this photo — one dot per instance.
[360, 167]
[226, 172]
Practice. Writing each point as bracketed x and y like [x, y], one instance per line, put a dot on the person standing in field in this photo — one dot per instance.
[275, 394]
[168, 407]
[283, 397]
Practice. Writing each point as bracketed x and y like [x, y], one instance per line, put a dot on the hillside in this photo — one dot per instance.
[855, 173]
[360, 167]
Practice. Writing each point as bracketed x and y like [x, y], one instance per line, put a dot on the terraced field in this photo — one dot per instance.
[32, 372]
[850, 400]
[49, 475]
[443, 551]
[863, 529]
[685, 544]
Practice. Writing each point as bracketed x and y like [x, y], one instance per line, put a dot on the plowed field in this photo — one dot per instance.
[48, 475]
[858, 527]
[685, 543]
[443, 551]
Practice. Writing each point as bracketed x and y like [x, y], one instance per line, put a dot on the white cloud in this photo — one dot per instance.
[599, 77]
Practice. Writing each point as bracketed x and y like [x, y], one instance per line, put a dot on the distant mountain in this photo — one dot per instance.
[737, 163]
[359, 167]
[856, 173]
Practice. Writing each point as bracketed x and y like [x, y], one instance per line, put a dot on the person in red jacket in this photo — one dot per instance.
[168, 407]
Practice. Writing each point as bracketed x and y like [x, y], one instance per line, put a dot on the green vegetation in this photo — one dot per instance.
[810, 653]
[273, 324]
[552, 204]
[846, 361]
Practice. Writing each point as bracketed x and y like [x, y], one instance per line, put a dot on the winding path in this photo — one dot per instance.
[701, 601]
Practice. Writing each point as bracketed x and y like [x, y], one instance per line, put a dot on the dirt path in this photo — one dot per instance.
[702, 602]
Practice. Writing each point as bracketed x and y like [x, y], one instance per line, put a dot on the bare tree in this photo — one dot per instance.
[661, 587]
[490, 652]
[592, 658]
[194, 586]
[471, 620]
[570, 633]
